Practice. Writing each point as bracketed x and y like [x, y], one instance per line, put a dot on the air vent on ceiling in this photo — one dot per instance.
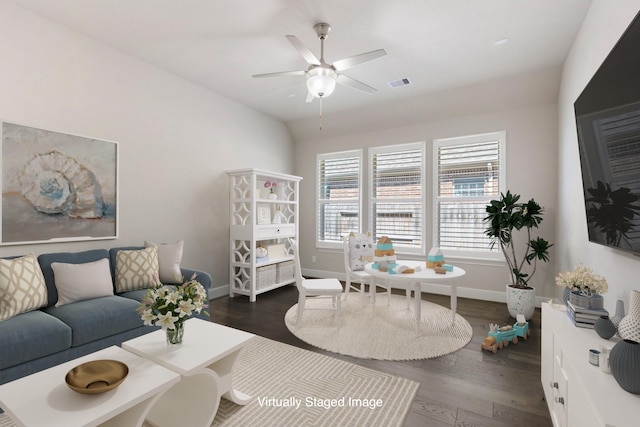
[399, 83]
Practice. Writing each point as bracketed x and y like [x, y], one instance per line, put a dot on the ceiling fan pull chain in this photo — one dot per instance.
[321, 113]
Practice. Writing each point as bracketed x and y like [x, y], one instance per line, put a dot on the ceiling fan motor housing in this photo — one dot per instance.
[322, 30]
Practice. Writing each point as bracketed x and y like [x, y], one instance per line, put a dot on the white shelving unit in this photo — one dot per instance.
[252, 216]
[578, 393]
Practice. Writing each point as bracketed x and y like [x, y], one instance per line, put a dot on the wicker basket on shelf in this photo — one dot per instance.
[265, 276]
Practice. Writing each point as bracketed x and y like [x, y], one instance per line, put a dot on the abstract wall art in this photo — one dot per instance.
[56, 187]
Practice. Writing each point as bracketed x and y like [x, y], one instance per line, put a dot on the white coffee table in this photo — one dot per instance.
[205, 359]
[44, 399]
[413, 282]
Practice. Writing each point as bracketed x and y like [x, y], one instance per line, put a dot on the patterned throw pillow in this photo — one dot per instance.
[137, 269]
[361, 250]
[22, 286]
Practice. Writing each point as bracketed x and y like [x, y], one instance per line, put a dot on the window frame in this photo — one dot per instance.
[371, 200]
[359, 153]
[478, 254]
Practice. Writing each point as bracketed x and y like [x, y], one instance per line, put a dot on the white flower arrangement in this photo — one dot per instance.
[169, 305]
[583, 280]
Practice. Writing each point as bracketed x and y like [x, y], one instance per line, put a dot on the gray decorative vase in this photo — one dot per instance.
[624, 361]
[605, 327]
[565, 295]
[619, 314]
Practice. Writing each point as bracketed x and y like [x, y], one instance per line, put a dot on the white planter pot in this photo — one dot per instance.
[521, 301]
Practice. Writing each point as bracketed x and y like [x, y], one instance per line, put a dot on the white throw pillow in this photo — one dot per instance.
[77, 282]
[137, 269]
[169, 258]
[361, 250]
[22, 286]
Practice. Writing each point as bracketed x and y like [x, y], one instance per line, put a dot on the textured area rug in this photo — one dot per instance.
[295, 387]
[388, 334]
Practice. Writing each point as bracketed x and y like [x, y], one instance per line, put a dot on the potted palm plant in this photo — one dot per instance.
[506, 219]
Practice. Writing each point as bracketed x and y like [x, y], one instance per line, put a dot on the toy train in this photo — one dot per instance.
[500, 337]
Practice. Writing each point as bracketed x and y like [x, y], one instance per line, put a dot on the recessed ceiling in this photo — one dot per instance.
[437, 44]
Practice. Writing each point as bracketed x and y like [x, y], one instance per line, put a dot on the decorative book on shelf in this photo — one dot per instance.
[584, 317]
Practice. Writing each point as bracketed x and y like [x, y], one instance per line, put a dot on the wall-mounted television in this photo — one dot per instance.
[608, 124]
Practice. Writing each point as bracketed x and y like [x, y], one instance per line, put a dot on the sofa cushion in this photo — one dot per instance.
[98, 318]
[31, 335]
[77, 282]
[136, 295]
[45, 261]
[169, 258]
[22, 286]
[137, 269]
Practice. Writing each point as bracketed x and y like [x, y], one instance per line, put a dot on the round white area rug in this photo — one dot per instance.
[389, 333]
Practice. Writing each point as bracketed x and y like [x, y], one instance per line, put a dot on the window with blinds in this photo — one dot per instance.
[338, 196]
[397, 201]
[468, 174]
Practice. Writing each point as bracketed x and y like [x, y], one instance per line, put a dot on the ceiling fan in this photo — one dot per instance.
[322, 77]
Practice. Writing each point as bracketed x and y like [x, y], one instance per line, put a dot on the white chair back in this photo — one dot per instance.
[296, 263]
[347, 264]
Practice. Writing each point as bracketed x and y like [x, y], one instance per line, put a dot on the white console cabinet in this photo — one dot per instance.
[258, 218]
[578, 393]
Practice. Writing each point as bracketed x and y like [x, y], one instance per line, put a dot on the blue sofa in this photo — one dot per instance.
[39, 339]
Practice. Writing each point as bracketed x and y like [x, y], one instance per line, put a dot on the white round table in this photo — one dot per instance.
[412, 282]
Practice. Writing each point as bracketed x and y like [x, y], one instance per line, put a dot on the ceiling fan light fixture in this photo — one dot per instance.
[321, 82]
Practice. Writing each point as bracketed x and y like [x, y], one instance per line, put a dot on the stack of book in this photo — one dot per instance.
[584, 317]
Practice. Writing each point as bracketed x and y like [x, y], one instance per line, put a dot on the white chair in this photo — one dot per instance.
[330, 288]
[359, 276]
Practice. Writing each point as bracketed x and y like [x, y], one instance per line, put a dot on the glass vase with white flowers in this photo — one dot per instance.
[169, 306]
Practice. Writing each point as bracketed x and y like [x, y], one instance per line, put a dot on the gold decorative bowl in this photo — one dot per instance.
[97, 376]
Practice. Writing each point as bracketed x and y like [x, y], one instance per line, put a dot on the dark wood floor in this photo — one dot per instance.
[467, 388]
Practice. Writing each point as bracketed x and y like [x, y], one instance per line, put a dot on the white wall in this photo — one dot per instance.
[531, 169]
[602, 27]
[175, 138]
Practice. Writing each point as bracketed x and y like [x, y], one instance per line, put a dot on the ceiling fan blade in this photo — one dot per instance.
[355, 84]
[309, 98]
[282, 73]
[344, 64]
[302, 49]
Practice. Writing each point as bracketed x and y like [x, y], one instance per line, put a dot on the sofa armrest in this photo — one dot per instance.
[203, 277]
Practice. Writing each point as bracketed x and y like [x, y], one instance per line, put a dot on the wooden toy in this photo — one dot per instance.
[499, 337]
[384, 255]
[435, 258]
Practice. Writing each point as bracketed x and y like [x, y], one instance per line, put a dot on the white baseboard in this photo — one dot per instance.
[219, 291]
